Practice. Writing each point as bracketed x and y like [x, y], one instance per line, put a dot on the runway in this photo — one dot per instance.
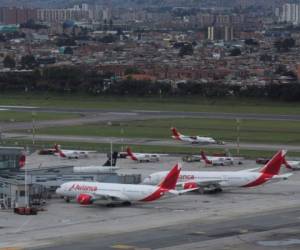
[146, 141]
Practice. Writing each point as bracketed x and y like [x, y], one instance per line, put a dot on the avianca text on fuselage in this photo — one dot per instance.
[244, 178]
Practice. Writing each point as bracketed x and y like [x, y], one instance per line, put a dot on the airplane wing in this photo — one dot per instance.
[281, 177]
[180, 192]
[249, 170]
[110, 195]
[78, 151]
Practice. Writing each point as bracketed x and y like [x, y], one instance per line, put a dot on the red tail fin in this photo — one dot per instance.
[129, 152]
[175, 133]
[61, 154]
[22, 161]
[171, 179]
[57, 148]
[273, 166]
[204, 158]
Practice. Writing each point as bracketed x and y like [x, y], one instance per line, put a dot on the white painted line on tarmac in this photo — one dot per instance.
[22, 107]
[121, 113]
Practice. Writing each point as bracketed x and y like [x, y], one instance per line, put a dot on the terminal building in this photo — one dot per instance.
[10, 158]
[41, 182]
[12, 191]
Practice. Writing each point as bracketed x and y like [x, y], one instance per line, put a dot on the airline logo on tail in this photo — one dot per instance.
[204, 158]
[175, 133]
[273, 166]
[61, 154]
[169, 183]
[271, 169]
[57, 148]
[131, 155]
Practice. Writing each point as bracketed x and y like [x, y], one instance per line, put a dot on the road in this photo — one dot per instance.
[146, 141]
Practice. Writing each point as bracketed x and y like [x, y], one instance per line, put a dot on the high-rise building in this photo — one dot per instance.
[289, 13]
[60, 15]
[224, 33]
[13, 15]
[210, 33]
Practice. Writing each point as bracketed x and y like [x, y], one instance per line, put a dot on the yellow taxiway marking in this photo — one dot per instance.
[121, 246]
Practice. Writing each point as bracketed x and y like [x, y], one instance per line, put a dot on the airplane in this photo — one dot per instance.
[108, 167]
[219, 160]
[110, 193]
[215, 181]
[193, 139]
[293, 165]
[71, 154]
[142, 157]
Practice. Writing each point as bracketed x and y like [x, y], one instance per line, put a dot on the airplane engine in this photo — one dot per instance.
[84, 199]
[189, 185]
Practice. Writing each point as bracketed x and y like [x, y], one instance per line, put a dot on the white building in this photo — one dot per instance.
[289, 13]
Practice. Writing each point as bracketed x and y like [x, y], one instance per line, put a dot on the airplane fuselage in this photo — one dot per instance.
[127, 192]
[195, 139]
[95, 169]
[226, 179]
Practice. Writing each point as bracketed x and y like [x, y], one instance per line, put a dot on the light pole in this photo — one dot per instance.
[238, 121]
[1, 142]
[33, 114]
[26, 187]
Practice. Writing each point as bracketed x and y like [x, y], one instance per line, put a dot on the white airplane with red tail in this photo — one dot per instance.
[89, 192]
[217, 180]
[219, 160]
[193, 139]
[143, 157]
[71, 154]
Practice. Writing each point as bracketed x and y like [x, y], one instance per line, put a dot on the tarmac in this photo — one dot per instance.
[266, 217]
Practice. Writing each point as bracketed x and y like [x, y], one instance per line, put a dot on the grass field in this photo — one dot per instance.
[16, 116]
[105, 148]
[285, 132]
[192, 103]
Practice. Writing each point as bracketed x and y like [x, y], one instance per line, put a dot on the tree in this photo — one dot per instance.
[186, 49]
[284, 45]
[235, 52]
[68, 51]
[132, 70]
[28, 62]
[265, 58]
[9, 62]
[251, 42]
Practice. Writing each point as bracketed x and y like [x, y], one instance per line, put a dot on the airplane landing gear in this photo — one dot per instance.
[126, 203]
